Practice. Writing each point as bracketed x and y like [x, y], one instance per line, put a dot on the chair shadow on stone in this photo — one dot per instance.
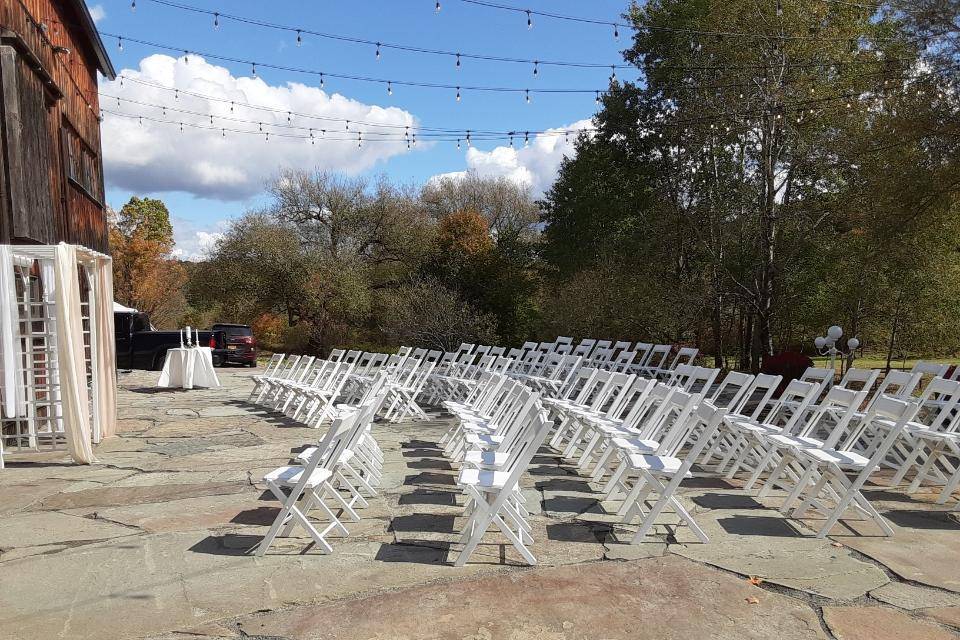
[426, 496]
[229, 544]
[764, 526]
[259, 516]
[428, 477]
[726, 501]
[423, 522]
[432, 553]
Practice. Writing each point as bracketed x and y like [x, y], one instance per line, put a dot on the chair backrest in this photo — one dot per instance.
[403, 352]
[522, 454]
[700, 379]
[935, 369]
[658, 358]
[563, 340]
[793, 403]
[860, 379]
[273, 365]
[502, 364]
[499, 351]
[620, 346]
[624, 361]
[731, 389]
[677, 422]
[599, 345]
[643, 350]
[833, 415]
[515, 353]
[601, 357]
[939, 403]
[290, 366]
[685, 355]
[336, 354]
[898, 411]
[822, 377]
[759, 396]
[898, 384]
[352, 356]
[583, 349]
[563, 348]
[481, 351]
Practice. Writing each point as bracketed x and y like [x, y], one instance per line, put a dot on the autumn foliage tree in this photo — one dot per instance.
[145, 275]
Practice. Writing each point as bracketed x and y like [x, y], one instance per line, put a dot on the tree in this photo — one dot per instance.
[144, 274]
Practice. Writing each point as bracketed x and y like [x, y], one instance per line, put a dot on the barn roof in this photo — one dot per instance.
[96, 44]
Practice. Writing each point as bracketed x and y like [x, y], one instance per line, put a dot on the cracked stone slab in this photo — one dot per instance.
[760, 542]
[114, 496]
[39, 529]
[880, 623]
[935, 533]
[652, 598]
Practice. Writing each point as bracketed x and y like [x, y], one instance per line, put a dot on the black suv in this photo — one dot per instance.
[241, 345]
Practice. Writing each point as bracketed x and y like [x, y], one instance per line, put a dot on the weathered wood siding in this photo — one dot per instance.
[50, 156]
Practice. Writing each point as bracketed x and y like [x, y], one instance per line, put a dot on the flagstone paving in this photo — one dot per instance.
[151, 542]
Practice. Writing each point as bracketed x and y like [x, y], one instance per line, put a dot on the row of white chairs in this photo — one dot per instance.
[345, 466]
[645, 435]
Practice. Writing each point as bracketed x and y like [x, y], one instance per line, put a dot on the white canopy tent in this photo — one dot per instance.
[57, 361]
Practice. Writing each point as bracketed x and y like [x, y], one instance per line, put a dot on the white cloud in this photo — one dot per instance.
[155, 157]
[98, 13]
[534, 166]
[193, 241]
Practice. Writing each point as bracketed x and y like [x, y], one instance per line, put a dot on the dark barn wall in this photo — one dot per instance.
[50, 156]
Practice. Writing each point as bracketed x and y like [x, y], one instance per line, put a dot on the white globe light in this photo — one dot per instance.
[835, 332]
[852, 344]
[820, 342]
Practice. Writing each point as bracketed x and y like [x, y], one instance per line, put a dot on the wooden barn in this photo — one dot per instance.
[57, 361]
[51, 169]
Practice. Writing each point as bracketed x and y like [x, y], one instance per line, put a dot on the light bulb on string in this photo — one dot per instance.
[613, 73]
[526, 138]
[133, 5]
[389, 88]
[348, 125]
[458, 94]
[118, 102]
[536, 68]
[529, 20]
[119, 43]
[321, 81]
[211, 119]
[186, 57]
[223, 133]
[436, 9]
[527, 91]
[231, 106]
[289, 117]
[176, 94]
[596, 100]
[458, 62]
[140, 119]
[299, 38]
[261, 126]
[266, 137]
[216, 21]
[359, 140]
[181, 127]
[121, 81]
[458, 143]
[468, 138]
[616, 32]
[511, 139]
[378, 52]
[253, 68]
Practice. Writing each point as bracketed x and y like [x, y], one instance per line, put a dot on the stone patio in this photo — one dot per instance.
[151, 542]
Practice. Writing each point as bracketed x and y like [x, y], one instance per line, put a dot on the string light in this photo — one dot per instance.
[216, 21]
[616, 32]
[528, 96]
[133, 5]
[299, 38]
[458, 62]
[389, 88]
[186, 57]
[536, 68]
[437, 8]
[120, 43]
[529, 20]
[253, 68]
[613, 73]
[289, 116]
[511, 139]
[378, 52]
[526, 138]
[597, 99]
[458, 94]
[321, 81]
[458, 143]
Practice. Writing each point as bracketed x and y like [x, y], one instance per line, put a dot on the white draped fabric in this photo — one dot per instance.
[189, 367]
[106, 348]
[70, 354]
[10, 335]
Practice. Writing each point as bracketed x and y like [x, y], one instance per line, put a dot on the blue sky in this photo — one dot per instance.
[459, 26]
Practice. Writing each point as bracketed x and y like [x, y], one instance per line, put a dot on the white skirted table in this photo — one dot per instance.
[188, 367]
